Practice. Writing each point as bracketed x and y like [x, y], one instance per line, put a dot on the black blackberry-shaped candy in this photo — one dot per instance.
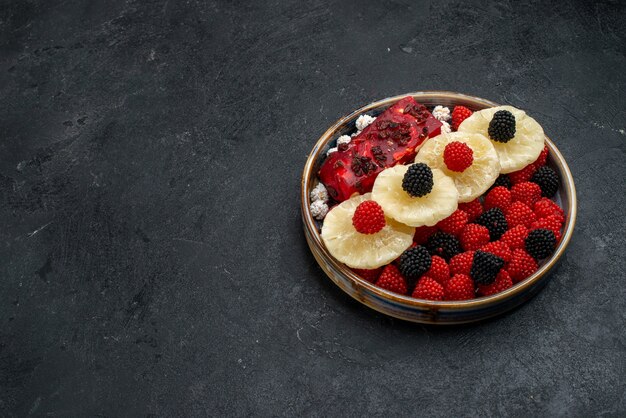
[547, 179]
[494, 221]
[418, 180]
[540, 243]
[502, 126]
[485, 267]
[444, 245]
[414, 262]
[502, 180]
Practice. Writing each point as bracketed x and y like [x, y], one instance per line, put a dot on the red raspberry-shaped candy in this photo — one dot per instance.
[520, 214]
[498, 197]
[368, 218]
[498, 248]
[515, 237]
[439, 270]
[428, 289]
[459, 114]
[460, 287]
[552, 222]
[458, 156]
[454, 223]
[369, 275]
[503, 281]
[462, 263]
[522, 175]
[473, 209]
[473, 237]
[392, 280]
[526, 192]
[545, 207]
[521, 265]
[422, 233]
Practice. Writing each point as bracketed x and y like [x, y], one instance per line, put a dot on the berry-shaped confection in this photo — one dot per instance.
[520, 214]
[396, 190]
[360, 250]
[494, 221]
[363, 121]
[319, 209]
[422, 233]
[503, 281]
[369, 275]
[498, 197]
[444, 245]
[526, 192]
[391, 279]
[368, 218]
[498, 248]
[462, 263]
[502, 126]
[547, 179]
[429, 289]
[473, 237]
[460, 287]
[540, 243]
[521, 265]
[459, 114]
[545, 207]
[439, 270]
[457, 156]
[514, 152]
[552, 222]
[418, 180]
[414, 262]
[319, 192]
[473, 209]
[515, 237]
[485, 267]
[454, 223]
[475, 178]
[522, 175]
[543, 157]
[503, 180]
[442, 113]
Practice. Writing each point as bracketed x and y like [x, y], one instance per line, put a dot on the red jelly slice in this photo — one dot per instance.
[392, 138]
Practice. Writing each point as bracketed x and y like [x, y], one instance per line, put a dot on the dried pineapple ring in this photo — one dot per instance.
[363, 251]
[478, 177]
[415, 211]
[522, 149]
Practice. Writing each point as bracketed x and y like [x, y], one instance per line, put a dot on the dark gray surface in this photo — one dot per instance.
[152, 258]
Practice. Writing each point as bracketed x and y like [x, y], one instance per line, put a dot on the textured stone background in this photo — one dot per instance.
[152, 261]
